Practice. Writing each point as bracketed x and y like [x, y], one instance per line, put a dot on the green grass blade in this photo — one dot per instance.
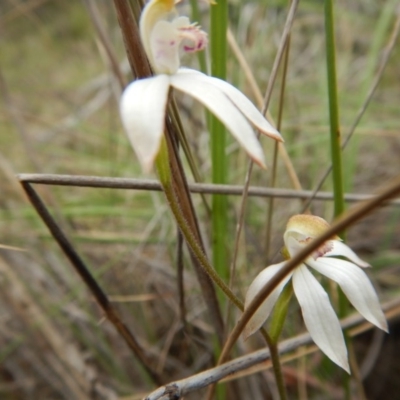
[335, 135]
[218, 44]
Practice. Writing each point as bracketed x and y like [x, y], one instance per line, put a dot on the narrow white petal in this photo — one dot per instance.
[248, 109]
[219, 104]
[355, 285]
[265, 309]
[142, 111]
[319, 317]
[340, 249]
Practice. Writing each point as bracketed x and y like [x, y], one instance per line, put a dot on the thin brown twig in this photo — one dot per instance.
[234, 369]
[259, 100]
[207, 188]
[180, 275]
[183, 142]
[270, 211]
[280, 53]
[90, 282]
[94, 15]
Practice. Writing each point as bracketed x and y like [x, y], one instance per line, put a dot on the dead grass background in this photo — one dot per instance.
[59, 115]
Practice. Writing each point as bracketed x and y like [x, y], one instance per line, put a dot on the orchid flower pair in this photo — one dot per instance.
[318, 314]
[164, 35]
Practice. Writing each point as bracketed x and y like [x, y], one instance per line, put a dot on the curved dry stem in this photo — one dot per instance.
[86, 276]
[104, 39]
[270, 211]
[256, 361]
[260, 101]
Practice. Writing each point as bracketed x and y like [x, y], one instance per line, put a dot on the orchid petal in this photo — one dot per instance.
[216, 101]
[355, 285]
[341, 249]
[266, 306]
[319, 316]
[142, 108]
[245, 106]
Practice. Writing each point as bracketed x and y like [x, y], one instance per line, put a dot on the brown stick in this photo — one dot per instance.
[232, 369]
[207, 188]
[90, 282]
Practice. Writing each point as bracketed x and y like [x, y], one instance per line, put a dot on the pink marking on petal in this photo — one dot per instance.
[321, 251]
[189, 49]
[194, 35]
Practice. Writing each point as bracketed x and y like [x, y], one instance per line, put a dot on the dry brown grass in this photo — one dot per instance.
[59, 115]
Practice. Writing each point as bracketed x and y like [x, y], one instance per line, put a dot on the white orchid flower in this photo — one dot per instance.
[143, 104]
[319, 317]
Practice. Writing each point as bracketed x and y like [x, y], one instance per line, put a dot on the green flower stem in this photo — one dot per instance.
[164, 173]
[280, 312]
[276, 365]
[218, 48]
[277, 322]
[335, 135]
